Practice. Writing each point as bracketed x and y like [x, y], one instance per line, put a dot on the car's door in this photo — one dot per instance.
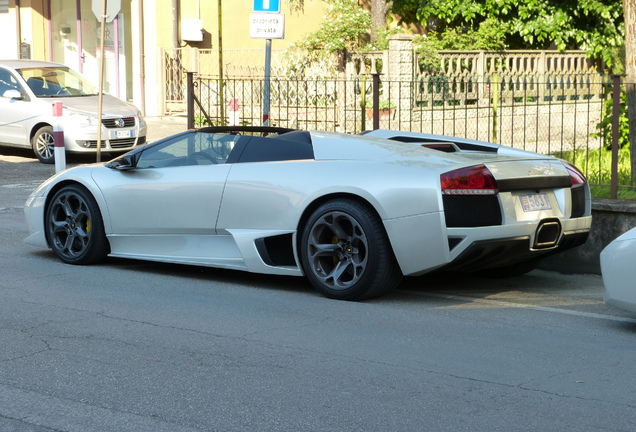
[175, 190]
[14, 113]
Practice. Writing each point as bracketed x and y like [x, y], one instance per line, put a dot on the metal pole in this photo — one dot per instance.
[268, 61]
[100, 97]
[616, 95]
[221, 82]
[376, 101]
[190, 100]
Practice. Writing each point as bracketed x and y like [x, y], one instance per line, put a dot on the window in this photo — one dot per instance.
[7, 81]
[191, 148]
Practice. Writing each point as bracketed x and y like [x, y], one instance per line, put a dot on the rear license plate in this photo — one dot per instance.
[124, 134]
[535, 202]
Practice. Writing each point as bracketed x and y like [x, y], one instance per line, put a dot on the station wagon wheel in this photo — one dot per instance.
[43, 145]
[74, 227]
[345, 252]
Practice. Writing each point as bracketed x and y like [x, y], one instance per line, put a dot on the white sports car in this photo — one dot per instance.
[352, 213]
[617, 260]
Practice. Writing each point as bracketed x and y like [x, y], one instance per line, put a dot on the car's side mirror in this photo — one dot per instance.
[13, 94]
[124, 163]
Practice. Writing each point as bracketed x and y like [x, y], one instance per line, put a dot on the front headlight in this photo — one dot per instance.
[82, 121]
[142, 121]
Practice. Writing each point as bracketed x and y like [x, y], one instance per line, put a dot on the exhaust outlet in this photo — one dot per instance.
[548, 234]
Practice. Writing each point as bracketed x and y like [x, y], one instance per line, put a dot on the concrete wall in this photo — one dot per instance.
[610, 219]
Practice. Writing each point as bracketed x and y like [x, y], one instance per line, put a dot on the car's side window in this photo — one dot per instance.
[290, 146]
[7, 81]
[194, 148]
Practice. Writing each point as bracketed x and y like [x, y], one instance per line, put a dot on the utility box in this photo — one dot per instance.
[25, 50]
[192, 30]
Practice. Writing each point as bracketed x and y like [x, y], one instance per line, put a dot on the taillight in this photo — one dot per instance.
[475, 180]
[576, 176]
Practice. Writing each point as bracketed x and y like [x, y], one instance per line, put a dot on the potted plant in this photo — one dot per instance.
[386, 108]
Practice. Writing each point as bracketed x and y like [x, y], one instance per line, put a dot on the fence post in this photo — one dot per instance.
[376, 100]
[190, 100]
[59, 151]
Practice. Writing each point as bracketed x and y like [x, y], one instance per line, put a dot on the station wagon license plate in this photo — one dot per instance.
[535, 202]
[124, 134]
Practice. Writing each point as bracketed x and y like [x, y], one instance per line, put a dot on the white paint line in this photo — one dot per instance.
[527, 306]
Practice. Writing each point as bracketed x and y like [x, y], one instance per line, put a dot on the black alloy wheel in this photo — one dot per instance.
[345, 252]
[74, 227]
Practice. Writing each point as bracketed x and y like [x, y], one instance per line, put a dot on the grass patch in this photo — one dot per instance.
[597, 166]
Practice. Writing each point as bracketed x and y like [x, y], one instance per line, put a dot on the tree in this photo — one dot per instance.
[630, 79]
[379, 10]
[596, 26]
[296, 5]
[345, 27]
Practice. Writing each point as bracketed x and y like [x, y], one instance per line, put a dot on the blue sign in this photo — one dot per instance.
[267, 6]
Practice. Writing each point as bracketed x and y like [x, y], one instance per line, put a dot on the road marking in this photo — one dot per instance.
[527, 306]
[11, 209]
[33, 184]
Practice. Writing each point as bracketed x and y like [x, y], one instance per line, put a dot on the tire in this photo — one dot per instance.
[43, 145]
[345, 252]
[74, 227]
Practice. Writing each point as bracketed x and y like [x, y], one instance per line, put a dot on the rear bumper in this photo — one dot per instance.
[486, 254]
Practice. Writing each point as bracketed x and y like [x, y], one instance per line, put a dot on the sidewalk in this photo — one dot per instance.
[161, 127]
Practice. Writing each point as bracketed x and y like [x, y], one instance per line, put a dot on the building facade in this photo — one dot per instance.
[135, 32]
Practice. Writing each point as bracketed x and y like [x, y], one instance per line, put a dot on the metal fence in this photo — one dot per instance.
[551, 115]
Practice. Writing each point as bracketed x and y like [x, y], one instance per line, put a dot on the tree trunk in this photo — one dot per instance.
[379, 10]
[629, 7]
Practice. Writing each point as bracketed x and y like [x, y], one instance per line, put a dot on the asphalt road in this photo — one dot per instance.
[137, 346]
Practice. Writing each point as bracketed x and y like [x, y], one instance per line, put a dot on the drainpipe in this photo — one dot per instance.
[175, 23]
[78, 29]
[142, 59]
[18, 28]
[50, 29]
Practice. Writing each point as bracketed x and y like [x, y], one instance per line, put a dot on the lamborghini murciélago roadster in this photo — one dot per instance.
[352, 213]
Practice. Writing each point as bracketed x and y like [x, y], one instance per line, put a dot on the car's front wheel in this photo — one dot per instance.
[44, 145]
[345, 252]
[74, 227]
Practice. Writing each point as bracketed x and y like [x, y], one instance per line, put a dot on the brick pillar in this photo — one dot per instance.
[399, 77]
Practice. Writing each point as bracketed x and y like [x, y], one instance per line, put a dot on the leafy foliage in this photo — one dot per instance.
[488, 36]
[296, 5]
[345, 27]
[604, 127]
[596, 26]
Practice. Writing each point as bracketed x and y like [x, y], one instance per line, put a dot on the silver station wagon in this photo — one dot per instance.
[28, 89]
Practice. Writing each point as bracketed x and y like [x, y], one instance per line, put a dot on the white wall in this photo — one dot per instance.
[9, 45]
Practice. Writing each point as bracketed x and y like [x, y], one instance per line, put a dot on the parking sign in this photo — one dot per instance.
[272, 6]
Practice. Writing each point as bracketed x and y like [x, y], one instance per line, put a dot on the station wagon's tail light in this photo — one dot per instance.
[576, 176]
[475, 180]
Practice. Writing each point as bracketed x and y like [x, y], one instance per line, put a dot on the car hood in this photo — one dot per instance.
[111, 106]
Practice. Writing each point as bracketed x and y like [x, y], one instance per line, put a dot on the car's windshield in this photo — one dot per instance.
[56, 82]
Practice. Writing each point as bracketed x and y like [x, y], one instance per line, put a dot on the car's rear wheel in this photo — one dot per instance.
[74, 227]
[346, 253]
[44, 145]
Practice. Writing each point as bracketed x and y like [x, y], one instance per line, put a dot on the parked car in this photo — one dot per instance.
[353, 213]
[617, 260]
[27, 90]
